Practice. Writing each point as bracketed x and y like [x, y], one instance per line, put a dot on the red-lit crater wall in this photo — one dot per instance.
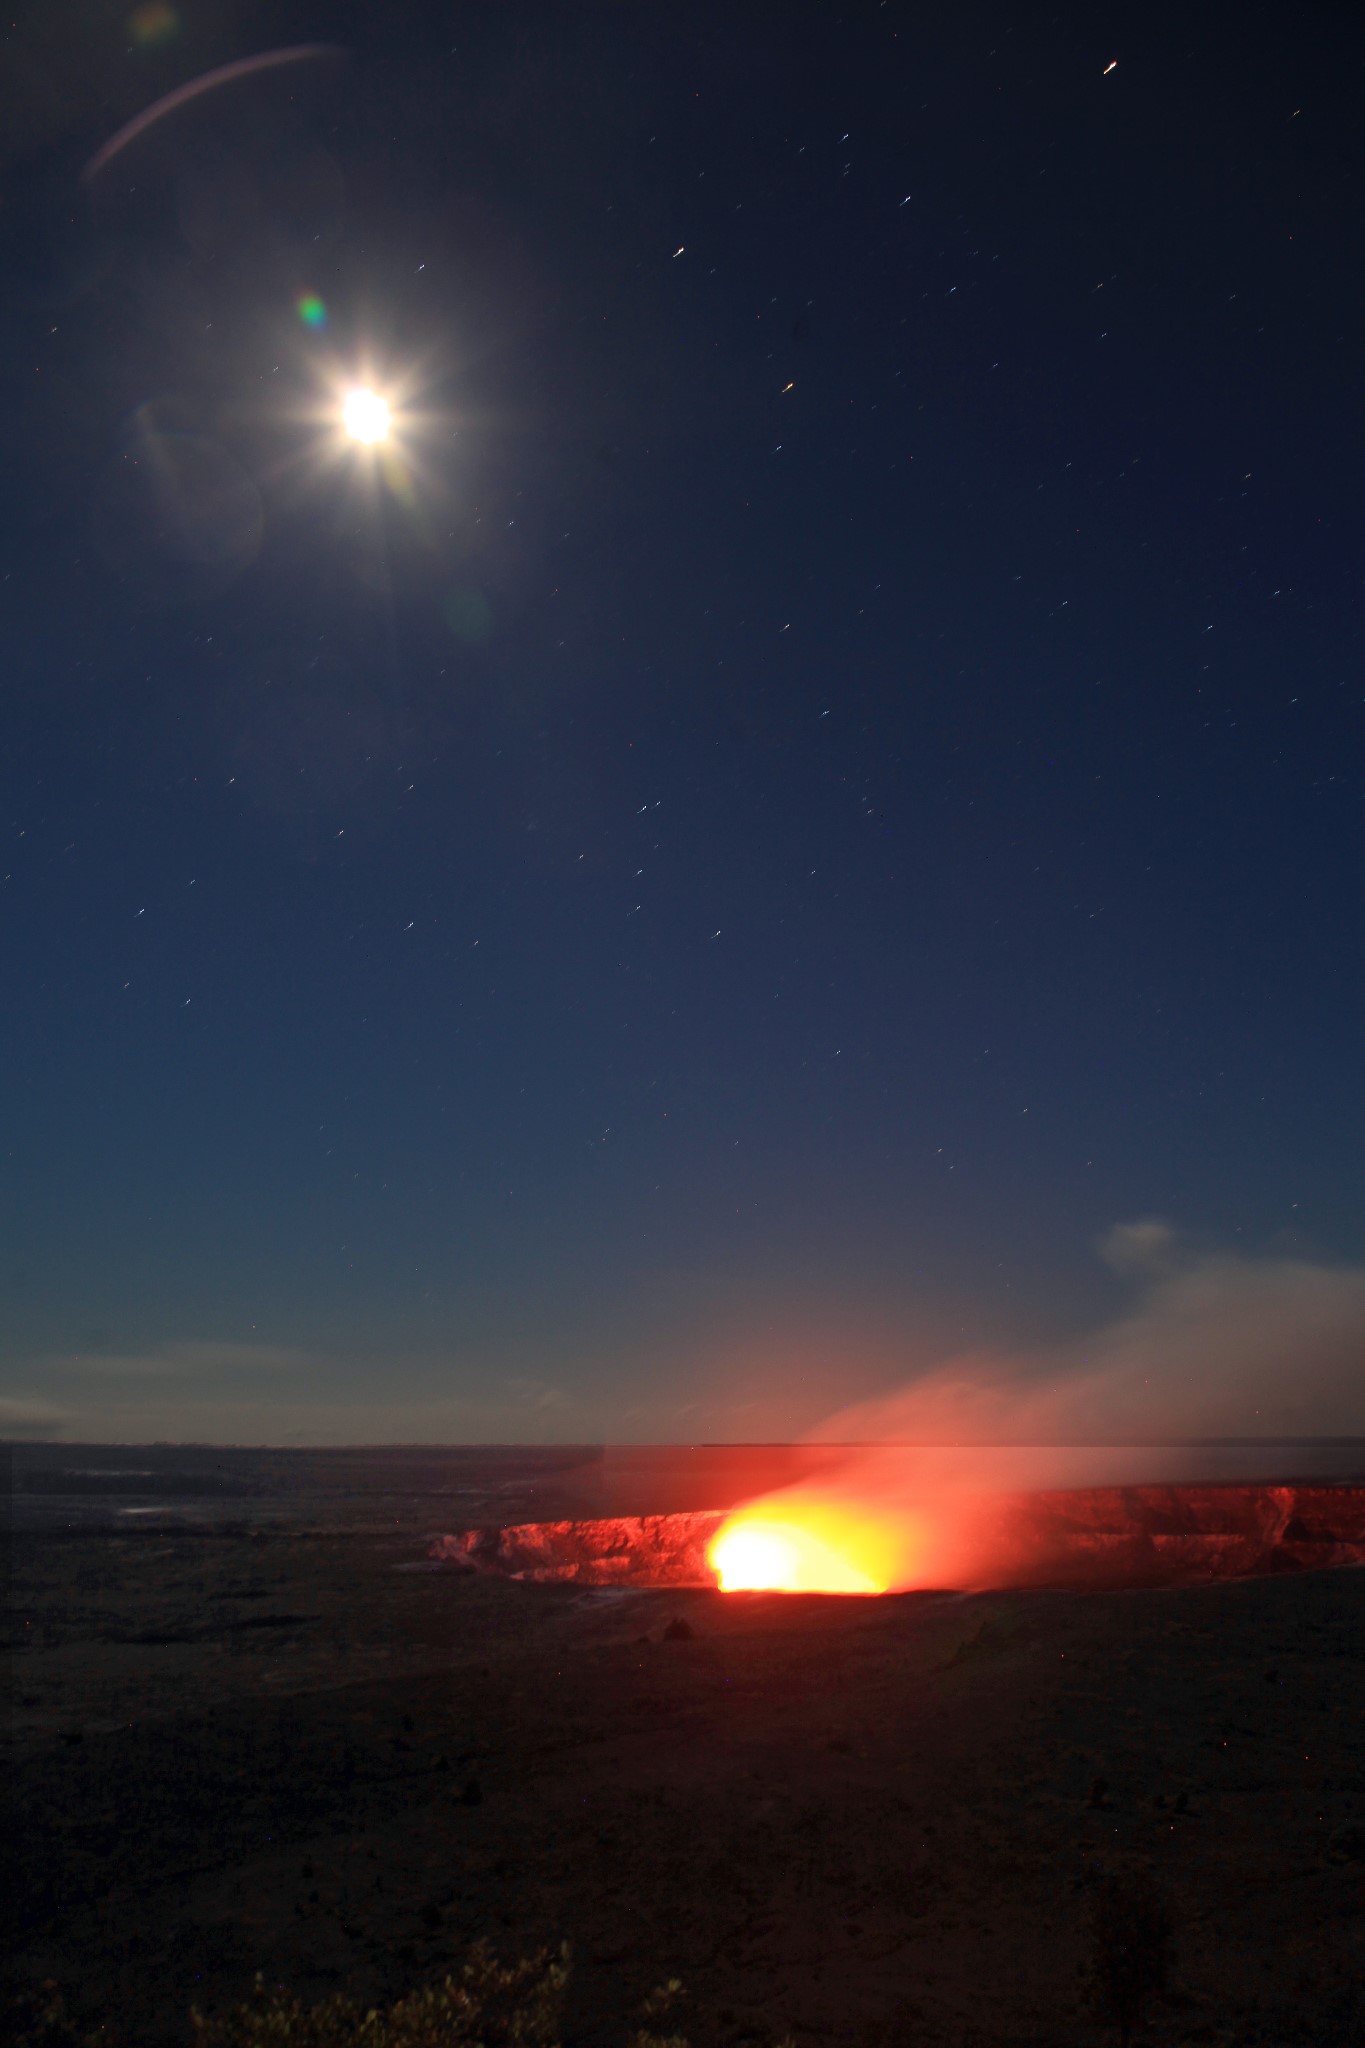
[1096, 1537]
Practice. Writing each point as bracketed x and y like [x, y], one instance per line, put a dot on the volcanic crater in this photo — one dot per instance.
[1099, 1537]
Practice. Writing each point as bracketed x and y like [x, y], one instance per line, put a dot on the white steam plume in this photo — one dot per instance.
[1214, 1347]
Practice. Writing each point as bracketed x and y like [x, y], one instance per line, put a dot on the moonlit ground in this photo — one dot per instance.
[810, 1811]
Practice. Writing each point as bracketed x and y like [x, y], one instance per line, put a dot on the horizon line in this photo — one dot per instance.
[1196, 1443]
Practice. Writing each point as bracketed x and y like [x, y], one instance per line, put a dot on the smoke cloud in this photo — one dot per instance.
[1215, 1347]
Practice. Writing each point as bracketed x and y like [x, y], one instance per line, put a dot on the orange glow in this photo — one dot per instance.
[754, 1551]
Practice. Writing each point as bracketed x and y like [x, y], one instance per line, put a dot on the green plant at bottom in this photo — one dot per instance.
[654, 2012]
[488, 2005]
[39, 2019]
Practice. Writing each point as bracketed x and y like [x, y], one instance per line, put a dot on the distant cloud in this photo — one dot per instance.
[186, 1361]
[203, 1391]
[30, 1415]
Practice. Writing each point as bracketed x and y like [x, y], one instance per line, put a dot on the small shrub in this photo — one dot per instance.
[39, 2019]
[654, 2013]
[486, 2006]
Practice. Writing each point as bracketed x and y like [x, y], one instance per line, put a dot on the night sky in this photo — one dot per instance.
[816, 774]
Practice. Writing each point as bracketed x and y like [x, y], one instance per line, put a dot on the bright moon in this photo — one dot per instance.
[365, 416]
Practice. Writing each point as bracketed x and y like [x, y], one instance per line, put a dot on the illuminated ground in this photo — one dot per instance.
[865, 1821]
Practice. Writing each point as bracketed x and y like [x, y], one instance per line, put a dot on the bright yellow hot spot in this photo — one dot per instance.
[365, 416]
[751, 1552]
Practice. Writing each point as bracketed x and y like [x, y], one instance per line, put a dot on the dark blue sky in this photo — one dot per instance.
[823, 774]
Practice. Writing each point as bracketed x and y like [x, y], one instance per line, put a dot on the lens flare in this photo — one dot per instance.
[365, 416]
[164, 21]
[311, 310]
[153, 24]
[755, 1552]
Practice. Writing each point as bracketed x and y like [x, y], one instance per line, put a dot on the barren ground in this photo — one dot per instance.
[865, 1821]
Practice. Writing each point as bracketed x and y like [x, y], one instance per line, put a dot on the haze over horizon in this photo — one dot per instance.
[766, 836]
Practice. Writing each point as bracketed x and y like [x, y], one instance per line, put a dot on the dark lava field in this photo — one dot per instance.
[873, 1821]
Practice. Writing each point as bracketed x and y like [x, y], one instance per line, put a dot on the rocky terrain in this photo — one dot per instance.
[611, 1550]
[870, 1821]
